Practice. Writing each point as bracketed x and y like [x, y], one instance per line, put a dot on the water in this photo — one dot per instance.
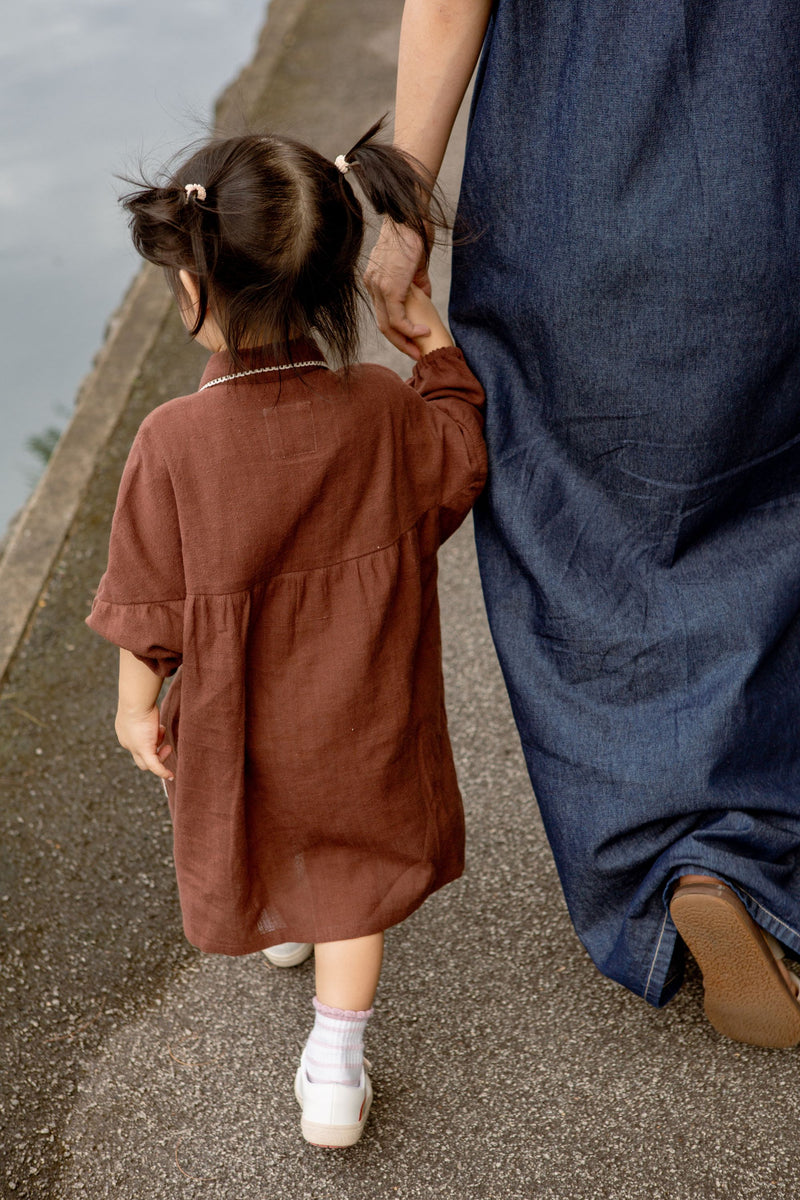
[86, 88]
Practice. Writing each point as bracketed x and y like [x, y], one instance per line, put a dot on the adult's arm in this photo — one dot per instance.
[440, 41]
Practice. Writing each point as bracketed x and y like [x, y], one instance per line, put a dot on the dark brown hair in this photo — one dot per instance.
[275, 242]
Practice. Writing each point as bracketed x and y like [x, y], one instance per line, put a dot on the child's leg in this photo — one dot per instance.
[347, 977]
[347, 973]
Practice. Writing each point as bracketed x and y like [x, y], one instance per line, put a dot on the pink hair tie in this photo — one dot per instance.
[195, 187]
[341, 162]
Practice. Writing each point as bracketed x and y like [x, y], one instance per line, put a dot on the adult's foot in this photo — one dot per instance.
[750, 995]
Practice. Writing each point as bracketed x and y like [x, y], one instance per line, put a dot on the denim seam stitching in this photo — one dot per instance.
[655, 955]
[762, 908]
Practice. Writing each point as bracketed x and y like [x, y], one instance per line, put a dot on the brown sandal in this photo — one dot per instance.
[746, 996]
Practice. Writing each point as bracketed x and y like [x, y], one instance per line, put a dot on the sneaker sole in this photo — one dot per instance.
[334, 1137]
[290, 960]
[746, 996]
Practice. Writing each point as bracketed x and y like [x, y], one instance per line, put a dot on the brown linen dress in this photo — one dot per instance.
[275, 538]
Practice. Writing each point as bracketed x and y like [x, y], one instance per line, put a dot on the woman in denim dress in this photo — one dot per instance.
[629, 298]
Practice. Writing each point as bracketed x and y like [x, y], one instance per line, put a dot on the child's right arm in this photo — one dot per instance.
[454, 406]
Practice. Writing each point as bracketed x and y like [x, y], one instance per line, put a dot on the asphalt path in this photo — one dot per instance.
[505, 1066]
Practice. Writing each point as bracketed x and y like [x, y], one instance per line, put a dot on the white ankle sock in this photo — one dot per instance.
[335, 1046]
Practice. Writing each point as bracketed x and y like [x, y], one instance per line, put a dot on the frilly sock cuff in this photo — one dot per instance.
[341, 1014]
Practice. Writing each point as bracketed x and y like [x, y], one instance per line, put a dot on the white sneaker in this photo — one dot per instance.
[333, 1113]
[288, 954]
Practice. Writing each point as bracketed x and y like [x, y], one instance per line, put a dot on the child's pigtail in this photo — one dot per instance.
[169, 227]
[197, 212]
[396, 185]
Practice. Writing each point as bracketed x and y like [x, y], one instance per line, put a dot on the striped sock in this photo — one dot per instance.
[335, 1046]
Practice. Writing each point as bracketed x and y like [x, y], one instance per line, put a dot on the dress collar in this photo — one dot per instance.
[220, 365]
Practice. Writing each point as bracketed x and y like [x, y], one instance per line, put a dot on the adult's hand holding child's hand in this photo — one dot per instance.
[397, 261]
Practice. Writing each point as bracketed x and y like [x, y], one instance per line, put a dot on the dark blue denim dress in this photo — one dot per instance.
[630, 299]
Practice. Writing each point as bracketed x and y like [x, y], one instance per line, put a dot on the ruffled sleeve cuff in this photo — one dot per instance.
[444, 373]
[152, 632]
[446, 360]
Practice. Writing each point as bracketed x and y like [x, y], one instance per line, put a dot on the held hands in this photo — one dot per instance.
[421, 312]
[397, 261]
[143, 735]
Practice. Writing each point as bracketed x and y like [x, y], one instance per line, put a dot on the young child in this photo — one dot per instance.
[274, 546]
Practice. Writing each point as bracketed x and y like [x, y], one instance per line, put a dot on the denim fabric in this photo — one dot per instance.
[629, 299]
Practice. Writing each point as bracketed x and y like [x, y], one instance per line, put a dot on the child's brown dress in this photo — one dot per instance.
[275, 537]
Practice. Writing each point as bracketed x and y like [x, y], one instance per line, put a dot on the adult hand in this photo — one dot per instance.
[397, 261]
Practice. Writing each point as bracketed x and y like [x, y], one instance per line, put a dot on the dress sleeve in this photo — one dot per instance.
[455, 402]
[140, 601]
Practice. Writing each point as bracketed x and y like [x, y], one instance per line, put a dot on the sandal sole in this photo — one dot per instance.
[746, 997]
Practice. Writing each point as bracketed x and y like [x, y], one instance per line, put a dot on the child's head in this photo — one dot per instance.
[271, 232]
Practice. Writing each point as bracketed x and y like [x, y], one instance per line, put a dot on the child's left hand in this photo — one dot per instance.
[138, 726]
[143, 735]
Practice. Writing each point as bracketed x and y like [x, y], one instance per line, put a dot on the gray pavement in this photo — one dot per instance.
[505, 1065]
